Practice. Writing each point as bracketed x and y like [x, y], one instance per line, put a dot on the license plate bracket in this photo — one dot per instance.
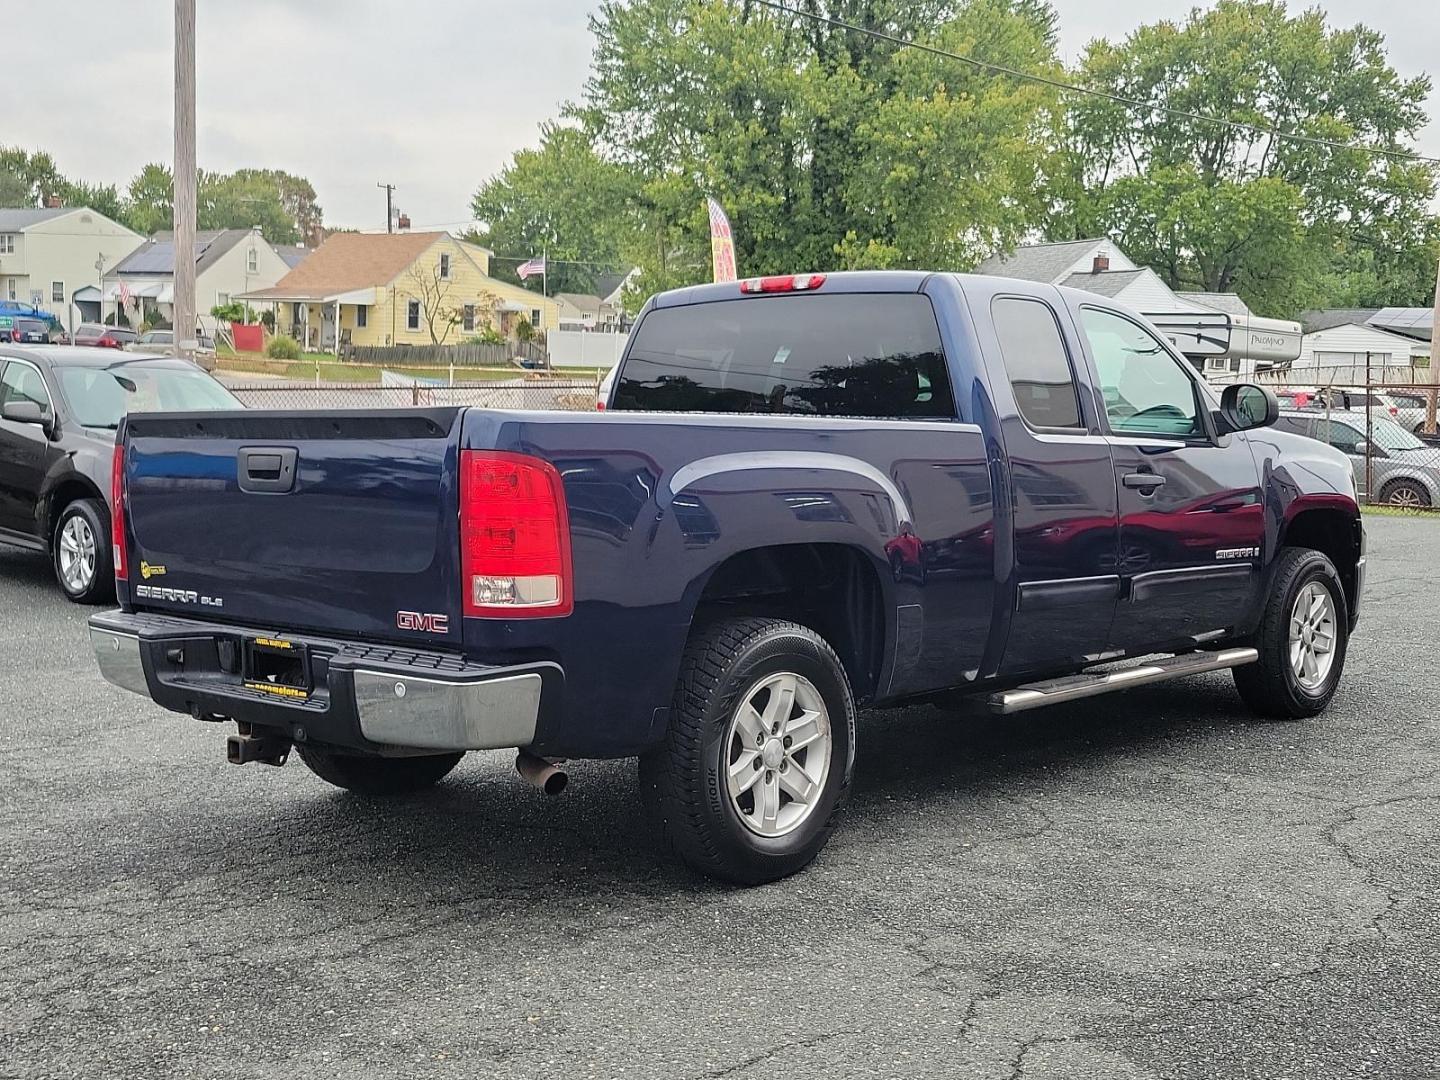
[276, 666]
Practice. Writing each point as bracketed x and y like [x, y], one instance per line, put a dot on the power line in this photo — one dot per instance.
[1071, 88]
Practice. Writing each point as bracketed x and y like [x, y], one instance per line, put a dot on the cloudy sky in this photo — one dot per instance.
[430, 95]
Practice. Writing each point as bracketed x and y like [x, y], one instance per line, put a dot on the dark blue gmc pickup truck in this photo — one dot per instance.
[805, 494]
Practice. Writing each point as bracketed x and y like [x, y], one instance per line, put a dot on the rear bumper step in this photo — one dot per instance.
[357, 695]
[1091, 684]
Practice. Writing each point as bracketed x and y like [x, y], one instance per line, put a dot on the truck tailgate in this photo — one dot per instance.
[342, 521]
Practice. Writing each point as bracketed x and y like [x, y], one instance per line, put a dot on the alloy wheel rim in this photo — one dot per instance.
[1312, 636]
[777, 754]
[77, 554]
[1404, 495]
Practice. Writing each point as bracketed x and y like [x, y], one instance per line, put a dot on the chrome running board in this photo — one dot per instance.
[1091, 684]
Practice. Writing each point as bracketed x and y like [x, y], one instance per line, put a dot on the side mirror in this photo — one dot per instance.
[1361, 447]
[1245, 406]
[23, 412]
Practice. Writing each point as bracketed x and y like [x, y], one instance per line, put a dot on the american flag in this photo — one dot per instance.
[124, 293]
[531, 268]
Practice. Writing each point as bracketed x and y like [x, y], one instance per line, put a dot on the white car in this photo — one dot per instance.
[602, 393]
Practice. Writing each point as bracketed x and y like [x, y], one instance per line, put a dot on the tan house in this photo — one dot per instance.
[398, 289]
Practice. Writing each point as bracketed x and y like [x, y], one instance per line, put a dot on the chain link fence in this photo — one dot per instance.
[1386, 426]
[503, 394]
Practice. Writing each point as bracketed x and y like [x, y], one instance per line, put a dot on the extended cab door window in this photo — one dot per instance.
[1145, 389]
[1037, 364]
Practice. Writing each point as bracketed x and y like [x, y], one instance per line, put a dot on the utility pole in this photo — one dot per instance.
[389, 206]
[185, 179]
[1434, 359]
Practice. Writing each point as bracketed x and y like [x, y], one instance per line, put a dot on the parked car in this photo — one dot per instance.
[1403, 470]
[165, 339]
[99, 336]
[607, 384]
[59, 410]
[806, 493]
[23, 330]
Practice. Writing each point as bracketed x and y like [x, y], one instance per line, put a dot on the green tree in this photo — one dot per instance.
[561, 198]
[1281, 221]
[150, 200]
[828, 147]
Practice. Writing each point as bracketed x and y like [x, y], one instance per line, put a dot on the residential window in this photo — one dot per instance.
[222, 299]
[252, 261]
[1146, 390]
[1037, 363]
[7, 244]
[412, 315]
[10, 289]
[444, 266]
[57, 291]
[362, 316]
[535, 318]
[468, 317]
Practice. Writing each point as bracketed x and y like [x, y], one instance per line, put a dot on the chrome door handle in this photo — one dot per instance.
[1145, 481]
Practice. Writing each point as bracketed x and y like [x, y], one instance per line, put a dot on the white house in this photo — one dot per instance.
[49, 255]
[228, 262]
[1339, 353]
[1217, 331]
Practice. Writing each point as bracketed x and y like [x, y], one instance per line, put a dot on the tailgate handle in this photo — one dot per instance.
[267, 468]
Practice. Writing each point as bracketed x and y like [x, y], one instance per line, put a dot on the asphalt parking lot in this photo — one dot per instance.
[1146, 885]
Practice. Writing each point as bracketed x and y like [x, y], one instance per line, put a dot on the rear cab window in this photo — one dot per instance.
[843, 354]
[1036, 363]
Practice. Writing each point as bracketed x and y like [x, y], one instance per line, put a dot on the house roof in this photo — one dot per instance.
[293, 255]
[1413, 322]
[157, 255]
[607, 285]
[583, 301]
[1229, 303]
[1318, 319]
[1109, 283]
[1039, 262]
[20, 218]
[346, 262]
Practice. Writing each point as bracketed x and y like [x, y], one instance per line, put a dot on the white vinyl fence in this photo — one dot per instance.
[582, 348]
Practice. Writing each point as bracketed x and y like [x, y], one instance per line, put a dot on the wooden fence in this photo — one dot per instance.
[465, 354]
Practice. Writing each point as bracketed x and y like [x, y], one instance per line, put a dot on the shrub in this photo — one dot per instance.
[523, 330]
[283, 347]
[234, 311]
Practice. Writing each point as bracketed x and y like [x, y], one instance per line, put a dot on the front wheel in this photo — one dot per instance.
[1409, 493]
[1302, 639]
[758, 757]
[369, 775]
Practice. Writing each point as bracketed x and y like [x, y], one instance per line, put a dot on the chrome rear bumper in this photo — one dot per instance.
[370, 697]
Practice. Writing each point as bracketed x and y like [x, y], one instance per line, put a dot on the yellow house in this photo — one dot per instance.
[399, 289]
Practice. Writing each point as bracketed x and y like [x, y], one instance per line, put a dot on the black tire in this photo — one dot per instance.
[370, 775]
[683, 780]
[100, 588]
[1405, 493]
[1270, 686]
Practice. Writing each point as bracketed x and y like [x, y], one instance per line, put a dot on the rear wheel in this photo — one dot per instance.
[759, 754]
[370, 775]
[1405, 493]
[1302, 639]
[80, 550]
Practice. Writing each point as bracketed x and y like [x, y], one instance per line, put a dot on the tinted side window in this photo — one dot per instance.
[1145, 389]
[836, 355]
[20, 382]
[1036, 362]
[1341, 436]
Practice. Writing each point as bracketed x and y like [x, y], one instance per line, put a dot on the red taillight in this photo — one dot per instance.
[514, 537]
[117, 512]
[783, 283]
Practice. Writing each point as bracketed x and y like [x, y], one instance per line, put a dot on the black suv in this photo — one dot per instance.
[59, 408]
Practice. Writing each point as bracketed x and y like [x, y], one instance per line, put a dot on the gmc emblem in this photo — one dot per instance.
[426, 624]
